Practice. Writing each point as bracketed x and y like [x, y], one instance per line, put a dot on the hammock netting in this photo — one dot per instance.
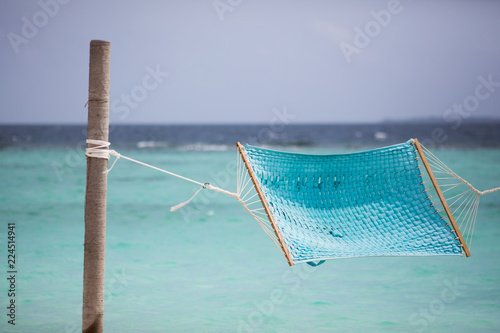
[372, 203]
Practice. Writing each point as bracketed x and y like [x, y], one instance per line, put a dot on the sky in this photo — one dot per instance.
[242, 61]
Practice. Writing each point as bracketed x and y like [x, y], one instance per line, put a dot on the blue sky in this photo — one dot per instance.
[235, 61]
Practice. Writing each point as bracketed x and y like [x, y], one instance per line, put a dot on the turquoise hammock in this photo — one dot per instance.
[382, 202]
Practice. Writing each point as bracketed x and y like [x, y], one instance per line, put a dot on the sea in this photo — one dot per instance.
[209, 267]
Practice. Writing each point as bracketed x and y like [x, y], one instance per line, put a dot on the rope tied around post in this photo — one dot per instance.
[101, 150]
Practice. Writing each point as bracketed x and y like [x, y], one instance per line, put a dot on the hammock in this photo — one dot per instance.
[383, 202]
[399, 200]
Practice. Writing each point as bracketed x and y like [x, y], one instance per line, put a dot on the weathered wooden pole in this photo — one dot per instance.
[95, 193]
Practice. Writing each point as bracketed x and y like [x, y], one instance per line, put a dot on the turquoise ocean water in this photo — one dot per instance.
[208, 267]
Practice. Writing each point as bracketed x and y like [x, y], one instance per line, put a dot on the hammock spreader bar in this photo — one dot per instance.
[441, 197]
[284, 248]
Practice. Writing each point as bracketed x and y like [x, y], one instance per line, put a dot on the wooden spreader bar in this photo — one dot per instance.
[284, 248]
[441, 197]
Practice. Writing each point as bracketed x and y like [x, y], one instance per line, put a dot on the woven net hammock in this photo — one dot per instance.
[394, 201]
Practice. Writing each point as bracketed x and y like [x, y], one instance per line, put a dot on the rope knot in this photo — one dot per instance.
[100, 150]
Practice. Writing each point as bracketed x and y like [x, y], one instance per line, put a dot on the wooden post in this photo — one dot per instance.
[95, 193]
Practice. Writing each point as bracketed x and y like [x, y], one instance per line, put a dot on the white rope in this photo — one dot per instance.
[174, 208]
[443, 168]
[489, 191]
[210, 187]
[465, 203]
[100, 150]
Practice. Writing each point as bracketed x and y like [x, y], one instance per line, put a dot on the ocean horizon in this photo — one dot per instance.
[478, 133]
